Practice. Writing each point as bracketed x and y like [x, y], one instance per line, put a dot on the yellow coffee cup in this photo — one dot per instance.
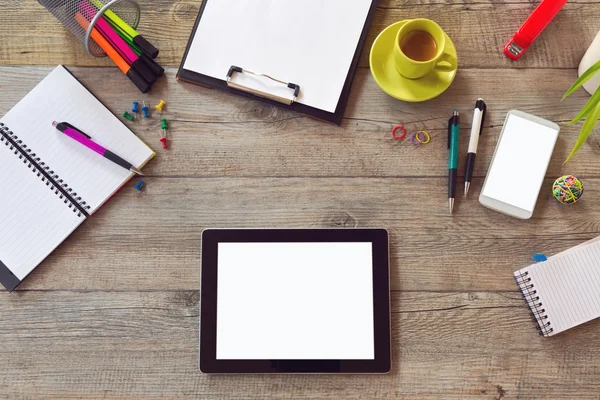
[436, 54]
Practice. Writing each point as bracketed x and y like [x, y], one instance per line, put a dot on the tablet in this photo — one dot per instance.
[295, 301]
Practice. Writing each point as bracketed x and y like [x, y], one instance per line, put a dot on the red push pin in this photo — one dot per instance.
[163, 134]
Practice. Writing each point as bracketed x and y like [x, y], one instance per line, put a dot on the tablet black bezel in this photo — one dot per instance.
[208, 302]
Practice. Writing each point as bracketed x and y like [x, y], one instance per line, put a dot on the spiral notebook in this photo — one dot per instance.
[563, 291]
[49, 183]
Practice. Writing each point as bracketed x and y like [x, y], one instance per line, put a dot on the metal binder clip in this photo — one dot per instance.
[260, 93]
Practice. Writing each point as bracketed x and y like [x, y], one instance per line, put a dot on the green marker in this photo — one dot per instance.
[138, 39]
[150, 63]
[453, 141]
[127, 39]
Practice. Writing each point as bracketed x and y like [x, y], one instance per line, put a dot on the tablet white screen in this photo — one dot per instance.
[520, 163]
[303, 301]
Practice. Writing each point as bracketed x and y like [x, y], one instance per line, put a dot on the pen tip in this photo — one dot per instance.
[54, 123]
[137, 171]
[467, 185]
[451, 205]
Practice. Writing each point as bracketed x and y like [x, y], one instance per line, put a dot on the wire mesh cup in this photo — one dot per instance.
[66, 11]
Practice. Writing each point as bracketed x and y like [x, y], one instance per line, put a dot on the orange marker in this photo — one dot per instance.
[131, 73]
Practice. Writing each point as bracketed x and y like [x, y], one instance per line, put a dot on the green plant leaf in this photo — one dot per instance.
[583, 79]
[589, 106]
[586, 130]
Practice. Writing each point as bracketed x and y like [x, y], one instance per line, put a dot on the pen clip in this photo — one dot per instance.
[450, 130]
[483, 112]
[77, 129]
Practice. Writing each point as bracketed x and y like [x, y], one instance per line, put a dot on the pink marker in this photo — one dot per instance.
[87, 141]
[137, 63]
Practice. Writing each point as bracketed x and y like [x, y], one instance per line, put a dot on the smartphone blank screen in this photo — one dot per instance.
[294, 301]
[519, 166]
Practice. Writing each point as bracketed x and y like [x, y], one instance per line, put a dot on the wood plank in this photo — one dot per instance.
[222, 134]
[140, 345]
[151, 241]
[480, 30]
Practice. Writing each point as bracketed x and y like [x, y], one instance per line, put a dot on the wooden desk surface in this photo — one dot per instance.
[113, 313]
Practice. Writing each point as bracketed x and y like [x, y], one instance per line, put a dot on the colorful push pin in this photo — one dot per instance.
[139, 186]
[128, 116]
[136, 107]
[145, 110]
[163, 134]
[160, 105]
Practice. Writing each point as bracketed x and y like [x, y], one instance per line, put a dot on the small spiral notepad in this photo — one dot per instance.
[49, 183]
[563, 291]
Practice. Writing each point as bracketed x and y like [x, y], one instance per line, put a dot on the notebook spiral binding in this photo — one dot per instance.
[43, 171]
[535, 304]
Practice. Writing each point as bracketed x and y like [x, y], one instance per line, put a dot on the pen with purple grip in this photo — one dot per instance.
[87, 141]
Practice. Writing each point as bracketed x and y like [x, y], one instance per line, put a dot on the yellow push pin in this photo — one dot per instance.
[160, 105]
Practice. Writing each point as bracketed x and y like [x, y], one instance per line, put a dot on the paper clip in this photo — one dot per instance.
[394, 132]
[266, 95]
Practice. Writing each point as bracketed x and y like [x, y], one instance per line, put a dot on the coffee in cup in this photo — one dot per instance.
[420, 47]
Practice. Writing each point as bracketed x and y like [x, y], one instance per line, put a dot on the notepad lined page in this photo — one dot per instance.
[60, 97]
[34, 219]
[568, 287]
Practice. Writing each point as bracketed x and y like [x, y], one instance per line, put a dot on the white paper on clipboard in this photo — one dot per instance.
[307, 42]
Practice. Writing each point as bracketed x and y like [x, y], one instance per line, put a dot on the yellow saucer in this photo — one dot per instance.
[390, 81]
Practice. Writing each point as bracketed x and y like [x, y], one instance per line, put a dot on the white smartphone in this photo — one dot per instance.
[519, 165]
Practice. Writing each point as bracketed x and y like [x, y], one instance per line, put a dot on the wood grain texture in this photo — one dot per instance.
[479, 29]
[152, 240]
[142, 345]
[221, 134]
[120, 319]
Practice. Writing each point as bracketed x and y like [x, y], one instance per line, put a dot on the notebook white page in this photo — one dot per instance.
[568, 287]
[307, 42]
[60, 97]
[34, 219]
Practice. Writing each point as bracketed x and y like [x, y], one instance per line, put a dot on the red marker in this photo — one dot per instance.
[532, 27]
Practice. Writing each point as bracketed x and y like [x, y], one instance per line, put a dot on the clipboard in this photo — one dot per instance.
[284, 93]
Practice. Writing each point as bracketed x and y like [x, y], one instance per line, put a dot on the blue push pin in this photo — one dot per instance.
[145, 110]
[139, 186]
[539, 257]
[136, 107]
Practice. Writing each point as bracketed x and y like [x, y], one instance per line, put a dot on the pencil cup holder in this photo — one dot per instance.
[75, 14]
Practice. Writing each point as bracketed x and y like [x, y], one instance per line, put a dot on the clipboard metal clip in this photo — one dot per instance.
[261, 93]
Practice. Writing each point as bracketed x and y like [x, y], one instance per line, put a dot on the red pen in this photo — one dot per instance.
[87, 141]
[532, 27]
